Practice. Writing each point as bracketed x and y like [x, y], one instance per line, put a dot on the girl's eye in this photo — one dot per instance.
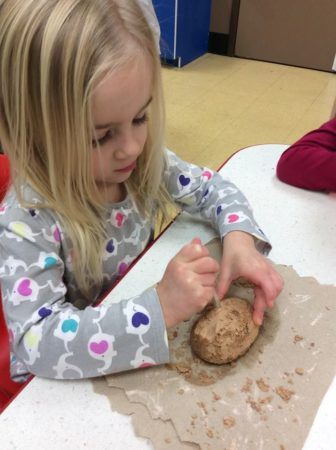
[110, 134]
[107, 136]
[140, 120]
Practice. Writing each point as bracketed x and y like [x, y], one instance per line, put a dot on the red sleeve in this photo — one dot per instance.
[310, 163]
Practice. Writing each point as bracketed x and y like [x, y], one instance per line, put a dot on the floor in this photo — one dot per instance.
[217, 105]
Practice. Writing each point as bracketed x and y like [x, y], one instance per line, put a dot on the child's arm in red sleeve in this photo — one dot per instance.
[310, 163]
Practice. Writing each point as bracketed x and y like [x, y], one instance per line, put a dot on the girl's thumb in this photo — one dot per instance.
[223, 285]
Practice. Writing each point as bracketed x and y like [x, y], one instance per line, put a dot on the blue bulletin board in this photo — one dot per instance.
[184, 29]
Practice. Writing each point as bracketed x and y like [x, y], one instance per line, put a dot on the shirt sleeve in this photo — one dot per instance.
[310, 163]
[49, 336]
[201, 190]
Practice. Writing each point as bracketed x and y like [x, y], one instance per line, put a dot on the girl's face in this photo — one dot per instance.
[119, 110]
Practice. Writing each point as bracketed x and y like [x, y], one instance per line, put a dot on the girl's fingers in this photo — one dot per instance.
[266, 293]
[272, 287]
[269, 283]
[278, 282]
[205, 265]
[193, 251]
[259, 306]
[223, 284]
[207, 280]
[208, 294]
[269, 293]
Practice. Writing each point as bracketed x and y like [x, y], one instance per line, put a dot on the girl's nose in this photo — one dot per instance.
[128, 147]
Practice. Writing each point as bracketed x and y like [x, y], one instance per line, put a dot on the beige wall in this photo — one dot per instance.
[300, 33]
[220, 16]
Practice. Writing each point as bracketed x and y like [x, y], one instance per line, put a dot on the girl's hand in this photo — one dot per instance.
[188, 283]
[242, 259]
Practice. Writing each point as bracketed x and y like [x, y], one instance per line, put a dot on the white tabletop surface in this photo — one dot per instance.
[301, 226]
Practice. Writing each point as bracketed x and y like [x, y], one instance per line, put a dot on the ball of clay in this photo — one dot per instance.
[224, 333]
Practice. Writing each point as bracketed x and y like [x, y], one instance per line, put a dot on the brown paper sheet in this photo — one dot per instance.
[265, 400]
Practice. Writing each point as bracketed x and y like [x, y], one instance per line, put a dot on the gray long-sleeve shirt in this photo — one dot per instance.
[54, 332]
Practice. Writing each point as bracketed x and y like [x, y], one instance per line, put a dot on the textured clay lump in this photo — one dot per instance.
[223, 334]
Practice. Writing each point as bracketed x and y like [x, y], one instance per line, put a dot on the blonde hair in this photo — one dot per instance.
[53, 55]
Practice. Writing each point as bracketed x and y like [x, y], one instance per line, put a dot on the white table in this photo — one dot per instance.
[302, 228]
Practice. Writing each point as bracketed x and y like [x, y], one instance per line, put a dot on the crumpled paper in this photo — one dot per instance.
[267, 399]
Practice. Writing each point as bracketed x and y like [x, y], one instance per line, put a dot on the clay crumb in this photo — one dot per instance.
[168, 440]
[262, 385]
[243, 282]
[229, 422]
[285, 394]
[299, 371]
[282, 447]
[297, 338]
[216, 397]
[254, 405]
[172, 335]
[180, 391]
[266, 400]
[203, 407]
[210, 433]
[205, 378]
[247, 385]
[181, 368]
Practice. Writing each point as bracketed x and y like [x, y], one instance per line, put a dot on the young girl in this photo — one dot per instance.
[310, 163]
[82, 121]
